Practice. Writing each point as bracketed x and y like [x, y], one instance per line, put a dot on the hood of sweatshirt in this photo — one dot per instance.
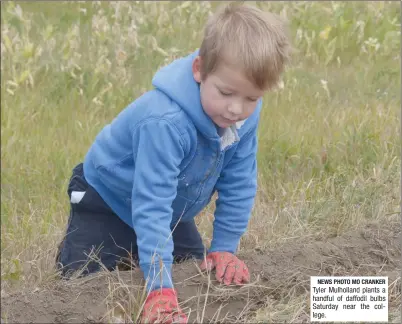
[177, 82]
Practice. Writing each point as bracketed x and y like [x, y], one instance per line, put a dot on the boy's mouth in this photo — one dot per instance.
[230, 120]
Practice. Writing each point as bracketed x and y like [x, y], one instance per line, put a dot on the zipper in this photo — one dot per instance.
[218, 160]
[219, 154]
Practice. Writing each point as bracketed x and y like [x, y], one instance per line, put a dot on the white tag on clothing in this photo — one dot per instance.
[76, 196]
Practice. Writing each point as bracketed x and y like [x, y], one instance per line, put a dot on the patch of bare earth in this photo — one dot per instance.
[280, 276]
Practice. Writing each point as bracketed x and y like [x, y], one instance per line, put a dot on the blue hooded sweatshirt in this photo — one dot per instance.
[161, 160]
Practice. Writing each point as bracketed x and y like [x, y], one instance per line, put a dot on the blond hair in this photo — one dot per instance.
[248, 37]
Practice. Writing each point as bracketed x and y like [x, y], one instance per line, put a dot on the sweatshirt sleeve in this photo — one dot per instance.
[158, 152]
[236, 188]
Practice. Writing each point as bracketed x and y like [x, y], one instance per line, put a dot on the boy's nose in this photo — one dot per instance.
[235, 108]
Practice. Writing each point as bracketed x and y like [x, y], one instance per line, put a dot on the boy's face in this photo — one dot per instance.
[227, 96]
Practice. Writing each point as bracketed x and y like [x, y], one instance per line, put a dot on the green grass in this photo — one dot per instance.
[329, 141]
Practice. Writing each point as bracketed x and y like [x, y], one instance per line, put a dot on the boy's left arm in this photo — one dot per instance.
[236, 188]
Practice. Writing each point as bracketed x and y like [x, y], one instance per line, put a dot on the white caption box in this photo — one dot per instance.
[349, 299]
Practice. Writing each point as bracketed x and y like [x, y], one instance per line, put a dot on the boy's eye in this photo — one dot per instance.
[253, 99]
[224, 93]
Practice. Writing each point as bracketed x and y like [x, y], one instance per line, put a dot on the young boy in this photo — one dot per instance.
[157, 165]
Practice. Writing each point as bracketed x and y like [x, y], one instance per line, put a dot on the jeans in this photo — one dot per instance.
[94, 227]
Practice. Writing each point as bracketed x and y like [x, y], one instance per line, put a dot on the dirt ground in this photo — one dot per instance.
[278, 275]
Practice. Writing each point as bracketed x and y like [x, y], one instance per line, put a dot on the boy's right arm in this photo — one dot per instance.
[158, 151]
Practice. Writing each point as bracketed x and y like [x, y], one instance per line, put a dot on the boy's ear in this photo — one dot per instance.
[196, 67]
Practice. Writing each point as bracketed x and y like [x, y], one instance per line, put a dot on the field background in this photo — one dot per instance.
[329, 140]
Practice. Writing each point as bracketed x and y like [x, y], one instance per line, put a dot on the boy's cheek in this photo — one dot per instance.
[250, 110]
[212, 107]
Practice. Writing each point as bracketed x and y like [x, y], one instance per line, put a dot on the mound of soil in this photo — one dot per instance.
[277, 275]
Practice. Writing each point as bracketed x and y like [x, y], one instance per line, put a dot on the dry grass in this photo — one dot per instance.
[278, 291]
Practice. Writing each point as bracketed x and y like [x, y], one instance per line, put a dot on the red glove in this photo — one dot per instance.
[161, 306]
[228, 268]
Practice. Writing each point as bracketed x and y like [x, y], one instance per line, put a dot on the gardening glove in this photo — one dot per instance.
[161, 306]
[228, 268]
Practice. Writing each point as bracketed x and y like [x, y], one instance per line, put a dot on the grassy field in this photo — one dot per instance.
[329, 141]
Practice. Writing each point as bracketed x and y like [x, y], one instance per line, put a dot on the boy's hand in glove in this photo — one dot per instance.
[228, 268]
[161, 306]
